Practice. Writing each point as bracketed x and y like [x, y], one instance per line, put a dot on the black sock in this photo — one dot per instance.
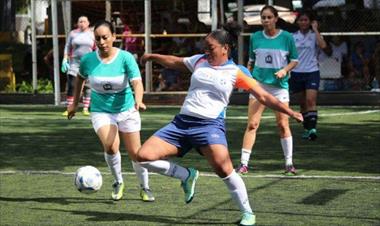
[313, 118]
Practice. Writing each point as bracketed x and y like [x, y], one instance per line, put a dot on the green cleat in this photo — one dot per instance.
[310, 134]
[248, 219]
[146, 195]
[189, 184]
[117, 192]
[65, 113]
[85, 112]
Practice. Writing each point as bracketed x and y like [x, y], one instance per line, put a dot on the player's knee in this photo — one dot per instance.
[143, 155]
[252, 126]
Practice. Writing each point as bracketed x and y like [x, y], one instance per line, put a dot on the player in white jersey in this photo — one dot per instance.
[114, 110]
[305, 77]
[272, 55]
[200, 123]
[79, 42]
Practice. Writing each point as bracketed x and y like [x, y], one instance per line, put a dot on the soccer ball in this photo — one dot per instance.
[88, 179]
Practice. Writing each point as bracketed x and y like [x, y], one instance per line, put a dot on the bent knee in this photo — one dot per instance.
[253, 126]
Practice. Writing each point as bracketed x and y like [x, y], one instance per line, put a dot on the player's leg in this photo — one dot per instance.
[312, 87]
[107, 131]
[152, 156]
[218, 157]
[255, 110]
[86, 97]
[69, 92]
[286, 140]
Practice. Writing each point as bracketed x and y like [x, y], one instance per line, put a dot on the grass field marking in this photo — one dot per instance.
[57, 172]
[319, 115]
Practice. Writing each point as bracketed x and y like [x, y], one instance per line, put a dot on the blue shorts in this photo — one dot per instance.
[186, 132]
[299, 82]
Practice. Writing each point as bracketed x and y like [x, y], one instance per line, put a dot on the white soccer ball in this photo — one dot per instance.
[88, 179]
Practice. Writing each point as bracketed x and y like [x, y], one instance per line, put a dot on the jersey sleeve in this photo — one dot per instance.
[191, 62]
[244, 80]
[252, 55]
[293, 54]
[83, 71]
[131, 66]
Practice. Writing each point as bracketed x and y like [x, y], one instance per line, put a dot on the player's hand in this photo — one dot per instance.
[71, 110]
[297, 116]
[281, 73]
[140, 106]
[144, 58]
[65, 65]
[314, 25]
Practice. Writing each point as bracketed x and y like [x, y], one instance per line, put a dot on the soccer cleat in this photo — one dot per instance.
[65, 113]
[117, 192]
[290, 170]
[248, 219]
[189, 184]
[146, 195]
[312, 134]
[242, 169]
[309, 134]
[85, 112]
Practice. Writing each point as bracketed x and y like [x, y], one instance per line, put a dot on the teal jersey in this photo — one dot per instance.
[271, 54]
[110, 82]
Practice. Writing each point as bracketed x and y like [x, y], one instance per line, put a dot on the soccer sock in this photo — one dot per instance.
[86, 102]
[245, 155]
[142, 175]
[287, 148]
[114, 164]
[305, 122]
[313, 118]
[69, 100]
[167, 168]
[238, 191]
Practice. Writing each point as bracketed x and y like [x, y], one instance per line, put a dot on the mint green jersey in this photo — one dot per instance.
[271, 54]
[110, 82]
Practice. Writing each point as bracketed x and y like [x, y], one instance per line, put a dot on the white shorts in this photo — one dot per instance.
[127, 121]
[281, 94]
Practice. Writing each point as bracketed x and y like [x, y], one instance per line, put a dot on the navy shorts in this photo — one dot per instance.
[187, 132]
[301, 81]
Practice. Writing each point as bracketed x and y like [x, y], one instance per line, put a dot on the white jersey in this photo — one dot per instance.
[307, 48]
[211, 86]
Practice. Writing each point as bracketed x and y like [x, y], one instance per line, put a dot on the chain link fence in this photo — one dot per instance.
[178, 27]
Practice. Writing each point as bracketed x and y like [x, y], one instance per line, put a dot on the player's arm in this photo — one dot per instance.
[78, 86]
[251, 85]
[139, 92]
[168, 61]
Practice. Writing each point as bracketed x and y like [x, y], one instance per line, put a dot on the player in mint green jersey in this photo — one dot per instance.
[272, 55]
[114, 107]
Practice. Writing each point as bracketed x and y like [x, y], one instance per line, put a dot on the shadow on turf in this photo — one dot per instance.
[108, 216]
[57, 200]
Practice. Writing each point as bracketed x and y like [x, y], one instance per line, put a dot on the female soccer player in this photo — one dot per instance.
[305, 77]
[272, 54]
[200, 123]
[114, 110]
[79, 42]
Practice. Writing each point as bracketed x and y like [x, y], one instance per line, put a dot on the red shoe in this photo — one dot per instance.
[290, 170]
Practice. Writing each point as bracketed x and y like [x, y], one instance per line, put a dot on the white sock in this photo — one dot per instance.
[167, 168]
[142, 175]
[245, 155]
[238, 191]
[114, 164]
[287, 148]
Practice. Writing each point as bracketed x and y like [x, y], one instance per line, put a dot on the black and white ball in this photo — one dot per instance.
[88, 179]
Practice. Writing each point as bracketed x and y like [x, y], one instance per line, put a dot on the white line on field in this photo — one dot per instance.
[320, 115]
[57, 172]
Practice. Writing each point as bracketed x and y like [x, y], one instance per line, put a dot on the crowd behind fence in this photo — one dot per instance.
[352, 61]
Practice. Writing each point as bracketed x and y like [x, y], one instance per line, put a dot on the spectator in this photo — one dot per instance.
[358, 66]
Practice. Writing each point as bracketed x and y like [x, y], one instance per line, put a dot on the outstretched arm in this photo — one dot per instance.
[168, 61]
[251, 85]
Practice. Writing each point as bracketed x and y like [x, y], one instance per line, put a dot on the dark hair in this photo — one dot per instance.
[308, 14]
[271, 8]
[228, 34]
[104, 23]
